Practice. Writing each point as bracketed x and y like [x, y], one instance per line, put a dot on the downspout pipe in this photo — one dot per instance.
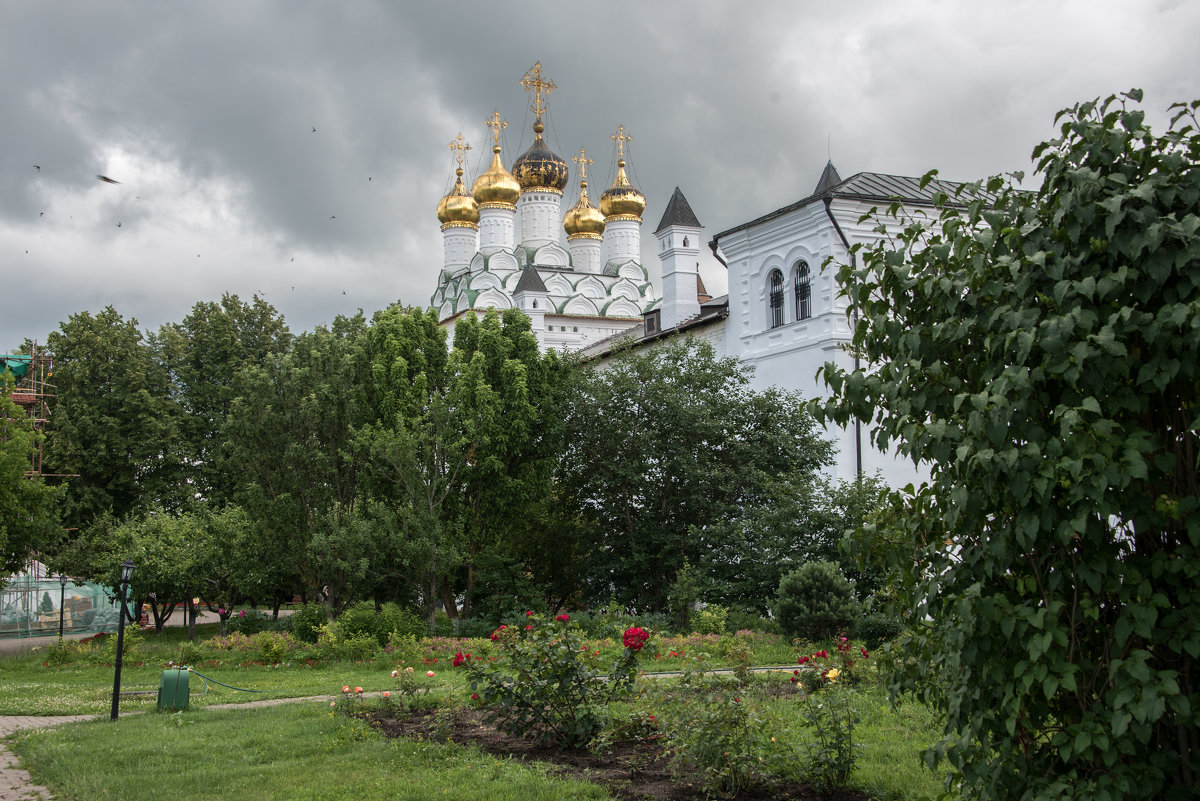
[858, 455]
[712, 245]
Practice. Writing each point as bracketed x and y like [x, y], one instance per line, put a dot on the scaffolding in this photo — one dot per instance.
[32, 392]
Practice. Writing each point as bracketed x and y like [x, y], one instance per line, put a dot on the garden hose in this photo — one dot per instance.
[207, 679]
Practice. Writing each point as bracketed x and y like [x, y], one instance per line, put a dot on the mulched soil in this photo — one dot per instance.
[629, 770]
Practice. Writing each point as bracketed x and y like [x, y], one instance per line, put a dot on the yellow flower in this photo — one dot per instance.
[832, 674]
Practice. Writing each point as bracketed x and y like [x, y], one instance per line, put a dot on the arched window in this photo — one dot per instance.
[803, 291]
[775, 311]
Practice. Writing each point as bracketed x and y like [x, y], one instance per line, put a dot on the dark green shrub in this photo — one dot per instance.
[750, 620]
[816, 602]
[398, 620]
[876, 628]
[307, 621]
[359, 620]
[248, 621]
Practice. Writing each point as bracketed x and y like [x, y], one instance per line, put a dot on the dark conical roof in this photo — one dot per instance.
[530, 281]
[829, 179]
[678, 213]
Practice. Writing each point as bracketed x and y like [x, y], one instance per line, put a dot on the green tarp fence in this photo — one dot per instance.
[30, 607]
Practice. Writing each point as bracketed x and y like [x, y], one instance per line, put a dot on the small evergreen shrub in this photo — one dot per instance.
[816, 602]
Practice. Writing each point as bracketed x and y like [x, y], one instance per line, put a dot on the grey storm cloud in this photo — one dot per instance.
[205, 113]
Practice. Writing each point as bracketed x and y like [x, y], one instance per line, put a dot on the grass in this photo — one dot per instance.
[250, 753]
[299, 752]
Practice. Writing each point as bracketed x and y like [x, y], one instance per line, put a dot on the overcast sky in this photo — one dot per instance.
[204, 112]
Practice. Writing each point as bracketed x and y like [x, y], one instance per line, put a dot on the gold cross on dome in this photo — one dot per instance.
[533, 83]
[620, 137]
[459, 145]
[583, 161]
[497, 124]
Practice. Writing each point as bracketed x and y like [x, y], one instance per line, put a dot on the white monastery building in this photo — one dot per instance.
[782, 315]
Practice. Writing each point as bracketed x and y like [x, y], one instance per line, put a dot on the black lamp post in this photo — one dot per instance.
[62, 597]
[126, 575]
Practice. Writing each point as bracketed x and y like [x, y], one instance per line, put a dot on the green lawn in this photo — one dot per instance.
[299, 752]
[302, 751]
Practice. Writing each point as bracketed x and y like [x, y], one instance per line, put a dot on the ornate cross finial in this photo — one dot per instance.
[497, 125]
[533, 83]
[459, 145]
[620, 137]
[583, 161]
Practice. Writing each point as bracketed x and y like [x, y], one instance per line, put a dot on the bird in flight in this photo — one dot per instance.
[37, 167]
[314, 130]
[333, 218]
[118, 225]
[107, 180]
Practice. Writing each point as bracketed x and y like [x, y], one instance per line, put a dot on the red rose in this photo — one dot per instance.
[563, 618]
[458, 659]
[635, 638]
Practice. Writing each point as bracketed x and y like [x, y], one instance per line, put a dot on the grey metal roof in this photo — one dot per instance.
[530, 281]
[869, 186]
[678, 212]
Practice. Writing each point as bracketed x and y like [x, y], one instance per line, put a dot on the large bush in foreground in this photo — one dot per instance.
[1039, 351]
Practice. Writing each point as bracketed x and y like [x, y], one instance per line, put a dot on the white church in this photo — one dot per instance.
[503, 249]
[781, 316]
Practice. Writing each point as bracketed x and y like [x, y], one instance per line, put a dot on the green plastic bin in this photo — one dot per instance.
[173, 689]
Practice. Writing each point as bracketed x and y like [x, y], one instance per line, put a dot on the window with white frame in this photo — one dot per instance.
[803, 280]
[775, 299]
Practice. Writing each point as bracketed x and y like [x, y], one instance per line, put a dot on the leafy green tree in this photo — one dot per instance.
[288, 439]
[744, 556]
[28, 517]
[660, 444]
[203, 355]
[166, 550]
[113, 422]
[1038, 351]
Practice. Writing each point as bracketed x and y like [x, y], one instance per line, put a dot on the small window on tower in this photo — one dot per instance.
[535, 304]
[685, 241]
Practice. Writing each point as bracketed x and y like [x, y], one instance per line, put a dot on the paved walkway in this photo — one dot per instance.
[15, 783]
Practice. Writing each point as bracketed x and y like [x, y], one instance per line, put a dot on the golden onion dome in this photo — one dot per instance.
[622, 199]
[458, 208]
[539, 168]
[583, 219]
[496, 186]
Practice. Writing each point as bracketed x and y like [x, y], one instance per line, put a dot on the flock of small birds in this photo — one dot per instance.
[106, 179]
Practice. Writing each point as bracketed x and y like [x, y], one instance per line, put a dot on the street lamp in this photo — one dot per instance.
[126, 575]
[62, 596]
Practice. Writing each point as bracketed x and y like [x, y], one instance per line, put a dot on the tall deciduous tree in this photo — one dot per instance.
[113, 421]
[203, 354]
[288, 442]
[659, 445]
[1039, 351]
